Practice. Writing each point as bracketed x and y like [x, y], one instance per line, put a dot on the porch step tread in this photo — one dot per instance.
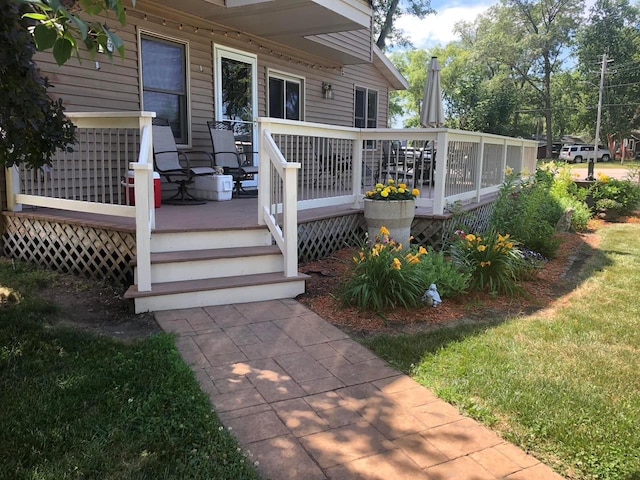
[213, 254]
[186, 286]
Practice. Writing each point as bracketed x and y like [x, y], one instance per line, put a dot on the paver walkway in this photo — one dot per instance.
[307, 402]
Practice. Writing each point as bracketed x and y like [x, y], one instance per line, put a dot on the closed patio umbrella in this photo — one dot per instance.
[431, 113]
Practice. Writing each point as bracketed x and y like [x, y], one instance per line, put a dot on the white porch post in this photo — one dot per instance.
[290, 221]
[264, 172]
[480, 169]
[356, 155]
[12, 177]
[442, 156]
[143, 181]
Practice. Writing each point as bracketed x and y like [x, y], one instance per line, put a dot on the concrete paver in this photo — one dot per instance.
[307, 402]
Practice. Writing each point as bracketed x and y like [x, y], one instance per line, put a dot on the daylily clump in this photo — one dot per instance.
[387, 276]
[493, 260]
[392, 191]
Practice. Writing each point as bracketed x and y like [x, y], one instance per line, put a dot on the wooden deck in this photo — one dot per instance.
[235, 213]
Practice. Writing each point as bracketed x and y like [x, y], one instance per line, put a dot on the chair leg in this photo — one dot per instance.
[184, 197]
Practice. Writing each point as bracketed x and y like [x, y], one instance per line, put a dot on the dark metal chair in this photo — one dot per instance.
[176, 166]
[238, 164]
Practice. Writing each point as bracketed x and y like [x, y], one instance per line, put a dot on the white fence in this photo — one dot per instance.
[336, 165]
[109, 144]
[302, 165]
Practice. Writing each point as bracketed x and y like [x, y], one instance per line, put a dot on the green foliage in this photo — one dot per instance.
[75, 405]
[386, 12]
[494, 261]
[33, 125]
[528, 211]
[386, 276]
[568, 194]
[60, 28]
[620, 196]
[558, 382]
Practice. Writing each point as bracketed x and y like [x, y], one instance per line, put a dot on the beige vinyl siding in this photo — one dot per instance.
[115, 86]
[356, 43]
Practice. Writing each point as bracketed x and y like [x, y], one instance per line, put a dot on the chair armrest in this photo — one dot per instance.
[185, 154]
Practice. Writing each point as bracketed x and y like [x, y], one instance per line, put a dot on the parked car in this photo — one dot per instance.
[579, 153]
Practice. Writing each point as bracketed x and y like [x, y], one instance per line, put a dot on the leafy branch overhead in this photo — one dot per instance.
[58, 26]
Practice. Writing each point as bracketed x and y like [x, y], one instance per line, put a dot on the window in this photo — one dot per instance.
[285, 96]
[366, 111]
[164, 83]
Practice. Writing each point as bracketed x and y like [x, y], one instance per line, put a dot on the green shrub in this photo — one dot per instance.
[386, 276]
[529, 211]
[620, 196]
[494, 261]
[570, 196]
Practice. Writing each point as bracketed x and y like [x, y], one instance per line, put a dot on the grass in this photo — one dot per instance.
[565, 387]
[77, 406]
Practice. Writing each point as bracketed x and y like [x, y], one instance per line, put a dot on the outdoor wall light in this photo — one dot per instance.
[327, 90]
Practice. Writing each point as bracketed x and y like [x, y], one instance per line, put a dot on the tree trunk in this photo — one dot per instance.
[546, 92]
[387, 25]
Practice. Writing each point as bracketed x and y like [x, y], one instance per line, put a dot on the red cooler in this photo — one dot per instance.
[130, 192]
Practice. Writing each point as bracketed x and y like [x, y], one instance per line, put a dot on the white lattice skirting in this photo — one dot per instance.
[83, 250]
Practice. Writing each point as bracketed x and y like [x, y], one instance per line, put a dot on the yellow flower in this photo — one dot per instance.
[397, 264]
[482, 248]
[509, 245]
[379, 186]
[415, 192]
[470, 237]
[508, 171]
[375, 252]
[422, 250]
[391, 181]
[384, 193]
[403, 185]
[384, 230]
[401, 190]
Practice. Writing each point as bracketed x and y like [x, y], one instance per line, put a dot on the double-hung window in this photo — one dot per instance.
[366, 110]
[285, 96]
[164, 83]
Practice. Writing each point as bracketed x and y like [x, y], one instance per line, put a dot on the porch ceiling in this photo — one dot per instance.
[293, 23]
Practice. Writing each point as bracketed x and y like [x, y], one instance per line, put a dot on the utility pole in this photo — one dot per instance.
[593, 160]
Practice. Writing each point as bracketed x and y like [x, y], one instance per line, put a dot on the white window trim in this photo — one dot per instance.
[293, 78]
[142, 32]
[369, 145]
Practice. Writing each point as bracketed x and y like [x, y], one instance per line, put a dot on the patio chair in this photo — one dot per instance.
[394, 163]
[176, 166]
[226, 155]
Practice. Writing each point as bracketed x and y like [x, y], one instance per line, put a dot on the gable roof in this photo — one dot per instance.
[388, 70]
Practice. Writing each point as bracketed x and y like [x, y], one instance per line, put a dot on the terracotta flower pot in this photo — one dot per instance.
[395, 215]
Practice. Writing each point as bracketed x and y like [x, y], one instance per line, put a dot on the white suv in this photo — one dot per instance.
[580, 153]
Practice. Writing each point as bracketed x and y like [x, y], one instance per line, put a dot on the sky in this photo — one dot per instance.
[438, 29]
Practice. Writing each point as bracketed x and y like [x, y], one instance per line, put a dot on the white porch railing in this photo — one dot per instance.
[335, 165]
[89, 178]
[277, 200]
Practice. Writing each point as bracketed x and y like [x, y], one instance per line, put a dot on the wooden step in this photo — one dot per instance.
[221, 262]
[216, 291]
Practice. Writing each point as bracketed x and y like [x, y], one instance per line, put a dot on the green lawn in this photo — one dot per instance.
[75, 406]
[565, 387]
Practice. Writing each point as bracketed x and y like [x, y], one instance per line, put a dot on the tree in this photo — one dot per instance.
[612, 29]
[32, 125]
[385, 12]
[531, 38]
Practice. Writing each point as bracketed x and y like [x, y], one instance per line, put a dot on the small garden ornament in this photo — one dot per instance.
[431, 297]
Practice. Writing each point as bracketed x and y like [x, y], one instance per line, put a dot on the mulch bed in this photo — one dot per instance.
[557, 278]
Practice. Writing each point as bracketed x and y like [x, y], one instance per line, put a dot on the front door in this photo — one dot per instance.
[237, 96]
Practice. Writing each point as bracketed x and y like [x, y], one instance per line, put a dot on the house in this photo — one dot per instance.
[306, 80]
